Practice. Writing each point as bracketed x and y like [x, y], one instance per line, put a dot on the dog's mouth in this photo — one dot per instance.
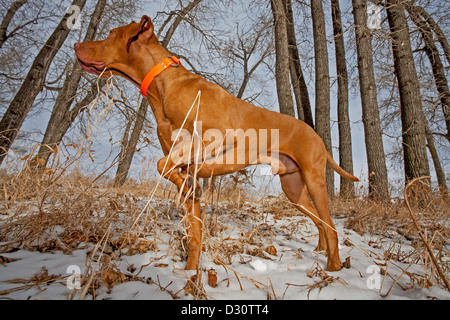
[100, 69]
[93, 67]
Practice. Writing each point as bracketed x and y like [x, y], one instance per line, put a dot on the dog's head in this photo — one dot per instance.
[120, 53]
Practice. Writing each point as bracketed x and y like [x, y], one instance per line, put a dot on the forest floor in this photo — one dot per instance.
[75, 238]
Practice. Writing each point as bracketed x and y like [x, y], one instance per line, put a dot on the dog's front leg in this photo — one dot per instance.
[177, 174]
[193, 225]
[191, 204]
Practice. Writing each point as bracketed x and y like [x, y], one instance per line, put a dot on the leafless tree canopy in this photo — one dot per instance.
[371, 77]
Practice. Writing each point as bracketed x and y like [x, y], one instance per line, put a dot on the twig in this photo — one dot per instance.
[256, 283]
[433, 258]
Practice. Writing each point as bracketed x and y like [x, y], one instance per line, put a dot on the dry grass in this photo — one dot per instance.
[66, 211]
[381, 221]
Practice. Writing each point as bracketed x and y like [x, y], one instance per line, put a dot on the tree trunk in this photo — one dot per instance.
[129, 146]
[15, 115]
[322, 84]
[298, 81]
[347, 189]
[178, 19]
[436, 64]
[413, 126]
[60, 117]
[282, 59]
[437, 30]
[15, 6]
[376, 161]
[440, 174]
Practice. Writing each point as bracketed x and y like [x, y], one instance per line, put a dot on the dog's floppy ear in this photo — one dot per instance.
[145, 28]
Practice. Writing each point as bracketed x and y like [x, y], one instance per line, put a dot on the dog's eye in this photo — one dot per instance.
[110, 33]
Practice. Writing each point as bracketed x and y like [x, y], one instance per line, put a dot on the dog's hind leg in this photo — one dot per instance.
[317, 188]
[296, 191]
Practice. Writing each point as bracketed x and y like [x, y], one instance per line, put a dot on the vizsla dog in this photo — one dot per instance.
[299, 156]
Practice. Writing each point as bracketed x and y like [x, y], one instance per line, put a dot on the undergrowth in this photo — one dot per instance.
[67, 211]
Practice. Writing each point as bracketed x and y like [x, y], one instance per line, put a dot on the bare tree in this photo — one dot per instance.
[345, 137]
[15, 115]
[180, 15]
[412, 117]
[129, 143]
[440, 174]
[249, 50]
[322, 83]
[282, 58]
[376, 161]
[437, 66]
[15, 6]
[62, 117]
[441, 37]
[298, 80]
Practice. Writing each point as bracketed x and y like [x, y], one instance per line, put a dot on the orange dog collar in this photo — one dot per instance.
[171, 61]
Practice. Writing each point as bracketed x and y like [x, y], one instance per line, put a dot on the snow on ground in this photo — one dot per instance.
[235, 247]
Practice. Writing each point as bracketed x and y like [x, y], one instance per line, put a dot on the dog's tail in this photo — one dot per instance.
[333, 165]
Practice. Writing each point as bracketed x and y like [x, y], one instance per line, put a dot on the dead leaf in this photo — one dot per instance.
[346, 263]
[271, 250]
[212, 278]
[145, 245]
[190, 286]
[348, 243]
[111, 277]
[161, 265]
[115, 205]
[40, 162]
[4, 260]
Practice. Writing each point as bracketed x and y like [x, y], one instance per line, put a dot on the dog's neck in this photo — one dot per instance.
[155, 53]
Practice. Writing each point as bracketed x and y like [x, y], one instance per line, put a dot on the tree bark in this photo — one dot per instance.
[322, 84]
[436, 64]
[15, 115]
[282, 59]
[376, 161]
[347, 189]
[62, 118]
[129, 147]
[298, 81]
[413, 126]
[15, 6]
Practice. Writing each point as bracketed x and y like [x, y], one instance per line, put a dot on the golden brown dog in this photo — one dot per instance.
[295, 152]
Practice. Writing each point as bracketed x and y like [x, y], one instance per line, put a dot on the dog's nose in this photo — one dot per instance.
[77, 45]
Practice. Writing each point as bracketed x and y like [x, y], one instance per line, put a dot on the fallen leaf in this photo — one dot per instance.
[346, 263]
[161, 265]
[212, 278]
[111, 277]
[271, 250]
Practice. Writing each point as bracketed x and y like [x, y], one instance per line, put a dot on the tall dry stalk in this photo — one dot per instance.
[430, 251]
